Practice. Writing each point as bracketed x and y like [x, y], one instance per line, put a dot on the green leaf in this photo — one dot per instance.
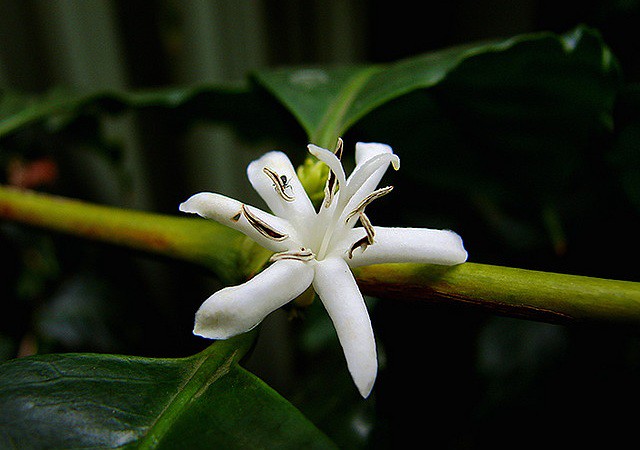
[511, 126]
[320, 99]
[523, 116]
[327, 102]
[253, 114]
[109, 401]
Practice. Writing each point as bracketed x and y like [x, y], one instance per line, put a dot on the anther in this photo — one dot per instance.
[300, 255]
[366, 240]
[332, 181]
[367, 200]
[279, 183]
[262, 227]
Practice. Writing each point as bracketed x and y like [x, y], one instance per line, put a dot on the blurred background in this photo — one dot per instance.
[453, 378]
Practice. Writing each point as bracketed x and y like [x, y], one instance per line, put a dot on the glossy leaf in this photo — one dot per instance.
[327, 102]
[108, 401]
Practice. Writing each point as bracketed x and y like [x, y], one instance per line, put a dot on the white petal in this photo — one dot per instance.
[417, 245]
[299, 209]
[331, 160]
[236, 309]
[336, 287]
[367, 150]
[365, 177]
[228, 211]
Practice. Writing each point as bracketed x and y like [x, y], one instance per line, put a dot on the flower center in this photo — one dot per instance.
[331, 222]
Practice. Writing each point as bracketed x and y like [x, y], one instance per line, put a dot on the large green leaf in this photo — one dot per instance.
[328, 101]
[108, 401]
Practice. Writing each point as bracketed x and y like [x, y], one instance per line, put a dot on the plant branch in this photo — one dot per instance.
[530, 294]
[516, 292]
[229, 254]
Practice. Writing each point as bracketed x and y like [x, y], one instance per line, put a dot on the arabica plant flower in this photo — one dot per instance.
[316, 248]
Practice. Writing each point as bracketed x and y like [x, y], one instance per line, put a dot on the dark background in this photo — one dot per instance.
[450, 378]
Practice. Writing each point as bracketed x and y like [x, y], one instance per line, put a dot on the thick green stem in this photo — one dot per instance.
[226, 252]
[530, 294]
[515, 292]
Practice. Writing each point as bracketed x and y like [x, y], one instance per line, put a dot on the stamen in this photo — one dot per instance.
[332, 181]
[279, 183]
[262, 227]
[365, 241]
[329, 189]
[367, 200]
[362, 242]
[366, 223]
[300, 255]
[339, 148]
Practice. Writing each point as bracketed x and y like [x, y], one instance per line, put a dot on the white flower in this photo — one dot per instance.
[316, 248]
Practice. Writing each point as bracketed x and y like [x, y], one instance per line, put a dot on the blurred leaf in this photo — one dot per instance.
[625, 157]
[327, 102]
[341, 412]
[526, 114]
[248, 109]
[39, 265]
[557, 70]
[12, 103]
[518, 128]
[512, 353]
[108, 401]
[78, 315]
[7, 347]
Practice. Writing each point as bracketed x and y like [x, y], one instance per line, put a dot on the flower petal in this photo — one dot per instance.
[336, 287]
[367, 150]
[235, 214]
[367, 174]
[417, 245]
[331, 160]
[284, 195]
[236, 309]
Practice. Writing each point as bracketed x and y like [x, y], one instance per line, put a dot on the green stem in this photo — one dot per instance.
[515, 292]
[226, 252]
[550, 297]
